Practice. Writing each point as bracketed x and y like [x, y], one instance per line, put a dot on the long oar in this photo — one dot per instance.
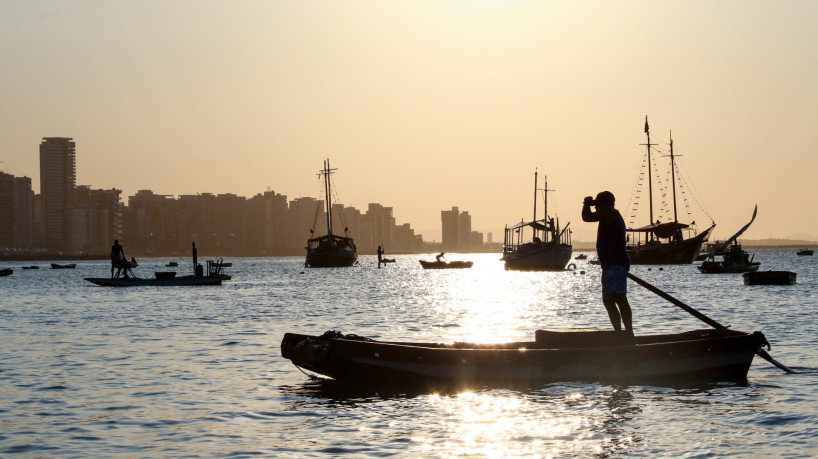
[761, 352]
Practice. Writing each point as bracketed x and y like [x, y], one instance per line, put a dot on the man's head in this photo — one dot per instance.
[605, 198]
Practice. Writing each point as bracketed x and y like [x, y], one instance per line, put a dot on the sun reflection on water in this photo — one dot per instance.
[491, 304]
[503, 425]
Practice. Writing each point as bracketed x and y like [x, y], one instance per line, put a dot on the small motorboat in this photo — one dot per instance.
[804, 252]
[440, 264]
[582, 256]
[31, 267]
[769, 278]
[6, 272]
[572, 355]
[172, 264]
[65, 266]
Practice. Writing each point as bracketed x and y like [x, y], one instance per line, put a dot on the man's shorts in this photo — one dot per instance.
[614, 280]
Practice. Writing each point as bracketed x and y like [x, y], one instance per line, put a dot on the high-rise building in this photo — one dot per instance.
[450, 220]
[58, 178]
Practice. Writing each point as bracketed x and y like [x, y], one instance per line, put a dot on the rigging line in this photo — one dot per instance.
[636, 193]
[334, 191]
[695, 193]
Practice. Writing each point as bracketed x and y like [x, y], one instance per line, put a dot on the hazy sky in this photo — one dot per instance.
[424, 105]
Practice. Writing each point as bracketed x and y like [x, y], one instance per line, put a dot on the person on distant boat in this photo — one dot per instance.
[439, 256]
[613, 258]
[117, 256]
[380, 256]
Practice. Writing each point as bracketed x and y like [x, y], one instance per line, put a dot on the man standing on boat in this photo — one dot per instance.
[117, 257]
[610, 248]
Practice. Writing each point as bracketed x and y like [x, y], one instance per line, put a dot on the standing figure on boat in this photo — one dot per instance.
[614, 260]
[117, 257]
[380, 255]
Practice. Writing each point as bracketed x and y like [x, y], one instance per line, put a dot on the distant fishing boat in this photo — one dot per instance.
[6, 272]
[664, 242]
[65, 266]
[330, 250]
[803, 252]
[734, 258]
[439, 264]
[551, 252]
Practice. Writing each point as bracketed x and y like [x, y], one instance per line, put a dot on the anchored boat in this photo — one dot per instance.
[330, 250]
[552, 251]
[734, 258]
[664, 243]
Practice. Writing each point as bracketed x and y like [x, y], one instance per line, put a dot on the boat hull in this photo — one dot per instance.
[539, 257]
[184, 281]
[668, 253]
[702, 355]
[446, 265]
[769, 278]
[717, 267]
[331, 257]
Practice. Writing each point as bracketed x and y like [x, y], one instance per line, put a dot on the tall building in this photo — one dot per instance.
[450, 220]
[58, 178]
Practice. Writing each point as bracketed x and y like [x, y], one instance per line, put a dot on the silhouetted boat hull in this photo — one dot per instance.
[446, 264]
[531, 256]
[59, 266]
[683, 251]
[708, 355]
[184, 281]
[331, 252]
[769, 278]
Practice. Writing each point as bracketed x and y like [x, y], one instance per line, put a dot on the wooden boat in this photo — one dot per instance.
[159, 281]
[769, 278]
[440, 264]
[551, 252]
[213, 276]
[31, 267]
[172, 264]
[6, 272]
[574, 355]
[734, 258]
[804, 252]
[581, 256]
[664, 243]
[66, 266]
[330, 250]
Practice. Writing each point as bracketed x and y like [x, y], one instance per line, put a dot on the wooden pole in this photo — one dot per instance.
[760, 352]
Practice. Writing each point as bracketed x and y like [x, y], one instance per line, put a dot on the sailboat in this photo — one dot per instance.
[664, 243]
[551, 252]
[330, 250]
[734, 258]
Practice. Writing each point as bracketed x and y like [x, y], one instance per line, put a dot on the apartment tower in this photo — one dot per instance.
[58, 179]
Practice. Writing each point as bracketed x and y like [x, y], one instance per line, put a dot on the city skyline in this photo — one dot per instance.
[423, 106]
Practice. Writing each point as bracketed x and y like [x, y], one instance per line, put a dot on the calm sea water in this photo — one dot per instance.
[174, 372]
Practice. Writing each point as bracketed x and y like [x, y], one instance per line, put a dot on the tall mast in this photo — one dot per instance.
[673, 178]
[650, 180]
[545, 209]
[327, 173]
[534, 220]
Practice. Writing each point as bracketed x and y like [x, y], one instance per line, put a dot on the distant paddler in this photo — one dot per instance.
[195, 258]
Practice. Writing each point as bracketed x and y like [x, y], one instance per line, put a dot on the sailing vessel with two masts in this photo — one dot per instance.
[330, 250]
[664, 242]
[551, 252]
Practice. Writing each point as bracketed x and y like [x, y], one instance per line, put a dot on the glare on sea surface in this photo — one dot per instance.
[505, 425]
[489, 304]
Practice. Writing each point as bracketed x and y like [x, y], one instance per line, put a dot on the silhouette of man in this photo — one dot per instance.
[380, 256]
[117, 257]
[610, 248]
[439, 256]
